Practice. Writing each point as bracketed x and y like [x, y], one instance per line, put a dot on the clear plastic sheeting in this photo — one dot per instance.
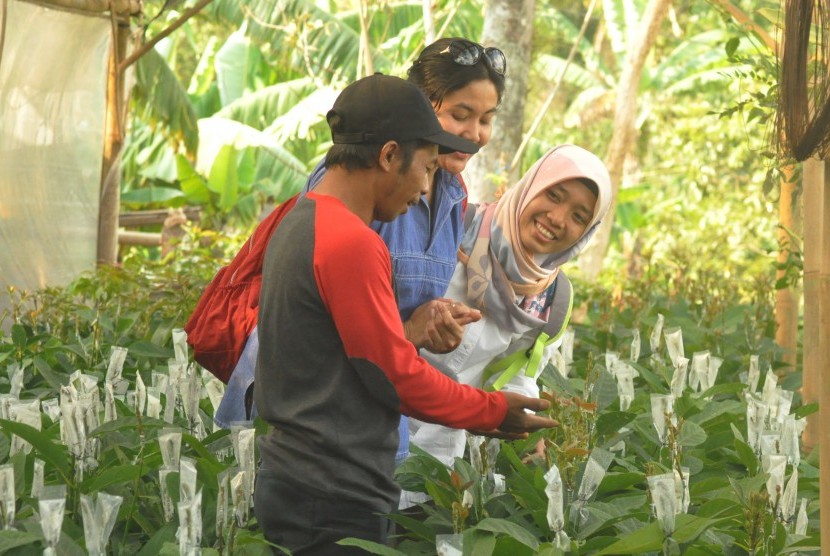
[53, 77]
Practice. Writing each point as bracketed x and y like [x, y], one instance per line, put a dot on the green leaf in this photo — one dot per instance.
[143, 348]
[54, 379]
[192, 184]
[111, 476]
[53, 453]
[747, 456]
[167, 534]
[691, 434]
[650, 538]
[371, 547]
[152, 194]
[719, 389]
[224, 178]
[513, 530]
[645, 539]
[12, 539]
[130, 422]
[732, 46]
[605, 390]
[611, 422]
[19, 336]
[806, 410]
[161, 97]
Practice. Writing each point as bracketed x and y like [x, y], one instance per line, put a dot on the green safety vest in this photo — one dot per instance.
[560, 314]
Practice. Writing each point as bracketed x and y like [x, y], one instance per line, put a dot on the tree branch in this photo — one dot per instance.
[131, 59]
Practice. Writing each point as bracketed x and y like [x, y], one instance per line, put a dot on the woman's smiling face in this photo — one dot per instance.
[468, 112]
[556, 218]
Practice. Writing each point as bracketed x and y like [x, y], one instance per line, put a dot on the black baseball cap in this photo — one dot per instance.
[381, 108]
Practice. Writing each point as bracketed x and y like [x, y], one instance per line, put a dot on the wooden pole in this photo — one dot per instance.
[816, 386]
[787, 299]
[110, 200]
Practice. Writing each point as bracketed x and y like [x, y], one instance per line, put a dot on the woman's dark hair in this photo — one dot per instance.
[437, 75]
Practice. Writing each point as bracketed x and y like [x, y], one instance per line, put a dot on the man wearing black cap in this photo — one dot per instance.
[334, 370]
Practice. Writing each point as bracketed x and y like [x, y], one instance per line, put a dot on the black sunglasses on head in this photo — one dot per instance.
[466, 53]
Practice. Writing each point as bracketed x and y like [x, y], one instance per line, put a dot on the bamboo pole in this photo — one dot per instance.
[110, 199]
[787, 300]
[817, 310]
[816, 386]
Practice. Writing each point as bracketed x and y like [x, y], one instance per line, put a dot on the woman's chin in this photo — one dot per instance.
[454, 163]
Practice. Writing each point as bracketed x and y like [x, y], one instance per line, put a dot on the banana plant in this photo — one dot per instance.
[262, 92]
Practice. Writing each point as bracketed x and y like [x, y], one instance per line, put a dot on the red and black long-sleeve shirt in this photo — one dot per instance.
[334, 370]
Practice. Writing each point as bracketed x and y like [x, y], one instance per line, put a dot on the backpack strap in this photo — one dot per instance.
[464, 210]
[558, 317]
[469, 215]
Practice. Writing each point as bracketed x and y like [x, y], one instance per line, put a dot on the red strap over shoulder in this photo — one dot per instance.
[227, 311]
[464, 200]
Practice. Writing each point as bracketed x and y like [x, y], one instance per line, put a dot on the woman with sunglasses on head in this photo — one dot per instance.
[465, 82]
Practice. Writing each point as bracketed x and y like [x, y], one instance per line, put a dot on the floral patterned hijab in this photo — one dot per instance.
[494, 235]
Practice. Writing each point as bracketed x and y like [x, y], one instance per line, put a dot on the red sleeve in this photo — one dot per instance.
[353, 272]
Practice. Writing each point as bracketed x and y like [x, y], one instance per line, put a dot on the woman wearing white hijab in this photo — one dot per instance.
[508, 265]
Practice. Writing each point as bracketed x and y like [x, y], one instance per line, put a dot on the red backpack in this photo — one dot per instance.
[227, 311]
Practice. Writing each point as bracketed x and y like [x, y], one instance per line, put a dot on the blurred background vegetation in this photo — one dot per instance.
[227, 113]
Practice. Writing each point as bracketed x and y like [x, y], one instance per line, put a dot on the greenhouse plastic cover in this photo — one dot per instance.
[53, 75]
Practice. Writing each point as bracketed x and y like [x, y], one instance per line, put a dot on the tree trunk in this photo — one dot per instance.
[787, 299]
[816, 386]
[816, 292]
[429, 22]
[623, 137]
[508, 25]
[110, 202]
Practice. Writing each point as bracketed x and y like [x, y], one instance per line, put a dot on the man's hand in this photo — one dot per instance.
[517, 423]
[438, 325]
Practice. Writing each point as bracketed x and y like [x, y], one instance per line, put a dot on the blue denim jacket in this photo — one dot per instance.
[423, 247]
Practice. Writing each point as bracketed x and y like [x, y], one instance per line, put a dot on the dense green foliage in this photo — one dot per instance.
[228, 115]
[58, 331]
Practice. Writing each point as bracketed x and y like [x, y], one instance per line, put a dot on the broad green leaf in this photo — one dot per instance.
[164, 100]
[650, 538]
[806, 410]
[118, 474]
[613, 482]
[202, 77]
[167, 534]
[224, 177]
[131, 422]
[509, 528]
[485, 543]
[646, 539]
[611, 422]
[153, 194]
[720, 389]
[19, 336]
[54, 379]
[605, 390]
[235, 63]
[142, 348]
[371, 547]
[413, 526]
[12, 539]
[53, 453]
[691, 434]
[193, 185]
[747, 456]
